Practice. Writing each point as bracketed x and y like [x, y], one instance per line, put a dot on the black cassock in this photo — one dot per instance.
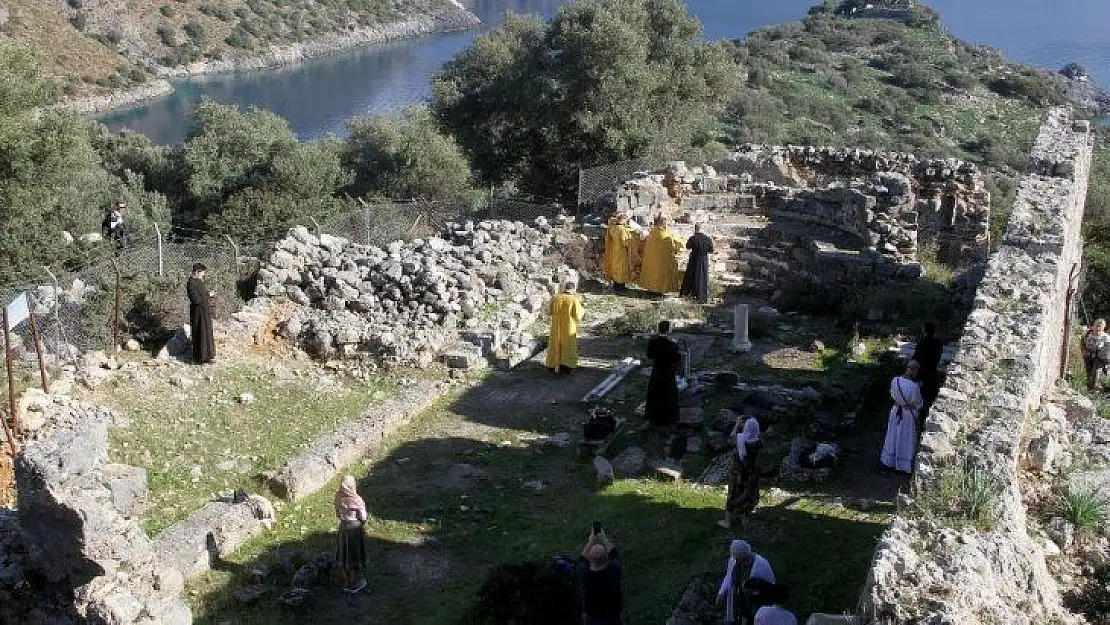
[696, 281]
[661, 407]
[927, 354]
[200, 321]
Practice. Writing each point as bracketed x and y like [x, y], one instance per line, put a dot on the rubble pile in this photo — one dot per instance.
[404, 304]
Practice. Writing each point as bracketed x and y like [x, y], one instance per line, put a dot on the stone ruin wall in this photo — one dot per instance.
[74, 551]
[835, 213]
[1008, 358]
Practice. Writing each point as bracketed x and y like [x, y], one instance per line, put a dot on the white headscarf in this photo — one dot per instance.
[738, 550]
[749, 435]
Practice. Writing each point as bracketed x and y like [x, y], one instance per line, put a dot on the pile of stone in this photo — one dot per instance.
[404, 304]
[75, 532]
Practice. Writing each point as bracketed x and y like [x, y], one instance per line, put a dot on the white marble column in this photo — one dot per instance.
[740, 342]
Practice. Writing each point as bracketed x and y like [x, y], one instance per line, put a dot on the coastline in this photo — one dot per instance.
[452, 19]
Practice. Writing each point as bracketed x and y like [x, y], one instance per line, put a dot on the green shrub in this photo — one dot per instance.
[167, 10]
[152, 308]
[167, 35]
[962, 495]
[1086, 507]
[195, 31]
[79, 20]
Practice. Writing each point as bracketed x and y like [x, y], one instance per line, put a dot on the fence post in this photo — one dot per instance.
[115, 314]
[161, 260]
[58, 319]
[578, 204]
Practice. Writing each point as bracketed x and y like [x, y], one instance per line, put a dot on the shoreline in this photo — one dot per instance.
[452, 19]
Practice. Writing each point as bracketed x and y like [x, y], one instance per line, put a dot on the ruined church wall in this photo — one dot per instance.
[1008, 358]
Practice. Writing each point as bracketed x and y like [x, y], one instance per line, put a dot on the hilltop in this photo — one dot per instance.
[92, 47]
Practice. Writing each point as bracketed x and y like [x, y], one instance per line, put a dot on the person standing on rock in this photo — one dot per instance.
[927, 353]
[661, 407]
[743, 472]
[350, 509]
[200, 316]
[900, 443]
[659, 273]
[565, 310]
[620, 242]
[695, 283]
[1096, 352]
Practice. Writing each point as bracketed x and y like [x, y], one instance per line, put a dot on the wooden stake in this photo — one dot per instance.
[115, 315]
[14, 415]
[8, 432]
[38, 351]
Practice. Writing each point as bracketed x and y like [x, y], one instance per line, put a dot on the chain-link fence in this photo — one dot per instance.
[597, 181]
[139, 292]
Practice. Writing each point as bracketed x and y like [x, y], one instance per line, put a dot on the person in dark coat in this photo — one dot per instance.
[661, 408]
[200, 316]
[927, 354]
[695, 283]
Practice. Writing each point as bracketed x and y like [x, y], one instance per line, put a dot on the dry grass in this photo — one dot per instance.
[62, 50]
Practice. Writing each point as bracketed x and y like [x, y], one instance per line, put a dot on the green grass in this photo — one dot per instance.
[174, 430]
[666, 532]
[961, 496]
[1086, 507]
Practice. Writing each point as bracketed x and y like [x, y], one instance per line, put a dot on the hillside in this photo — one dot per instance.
[94, 46]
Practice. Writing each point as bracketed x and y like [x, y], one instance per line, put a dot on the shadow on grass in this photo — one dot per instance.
[446, 510]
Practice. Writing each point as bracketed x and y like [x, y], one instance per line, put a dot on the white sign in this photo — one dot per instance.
[18, 310]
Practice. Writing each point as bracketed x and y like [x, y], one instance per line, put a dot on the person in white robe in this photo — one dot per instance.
[743, 565]
[773, 613]
[901, 429]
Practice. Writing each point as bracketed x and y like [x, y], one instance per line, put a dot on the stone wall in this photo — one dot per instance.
[851, 211]
[407, 303]
[74, 551]
[1008, 358]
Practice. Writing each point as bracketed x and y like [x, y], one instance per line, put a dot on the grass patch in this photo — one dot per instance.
[197, 442]
[451, 537]
[961, 496]
[645, 318]
[1086, 507]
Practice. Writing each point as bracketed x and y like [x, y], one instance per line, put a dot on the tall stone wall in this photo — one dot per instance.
[927, 571]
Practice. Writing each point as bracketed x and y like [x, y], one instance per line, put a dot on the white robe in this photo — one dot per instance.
[901, 428]
[774, 615]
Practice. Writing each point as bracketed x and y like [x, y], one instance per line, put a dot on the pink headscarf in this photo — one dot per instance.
[347, 497]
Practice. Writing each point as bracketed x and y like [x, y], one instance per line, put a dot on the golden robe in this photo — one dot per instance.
[659, 273]
[562, 341]
[620, 242]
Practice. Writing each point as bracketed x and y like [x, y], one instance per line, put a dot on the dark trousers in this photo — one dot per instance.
[602, 620]
[1094, 367]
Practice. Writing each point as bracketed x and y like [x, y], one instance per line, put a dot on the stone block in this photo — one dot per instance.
[213, 531]
[630, 462]
[128, 486]
[463, 359]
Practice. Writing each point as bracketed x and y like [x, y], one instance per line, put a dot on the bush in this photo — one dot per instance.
[78, 20]
[167, 10]
[195, 31]
[167, 35]
[529, 592]
[965, 495]
[1086, 507]
[152, 308]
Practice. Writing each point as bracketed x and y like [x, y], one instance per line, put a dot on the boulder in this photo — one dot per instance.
[630, 462]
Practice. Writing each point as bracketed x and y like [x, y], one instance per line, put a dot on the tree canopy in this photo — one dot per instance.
[606, 80]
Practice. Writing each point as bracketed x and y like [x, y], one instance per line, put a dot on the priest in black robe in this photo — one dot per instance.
[200, 316]
[927, 354]
[695, 283]
[661, 408]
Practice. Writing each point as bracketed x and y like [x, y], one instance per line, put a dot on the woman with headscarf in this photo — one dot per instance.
[747, 577]
[351, 511]
[743, 474]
